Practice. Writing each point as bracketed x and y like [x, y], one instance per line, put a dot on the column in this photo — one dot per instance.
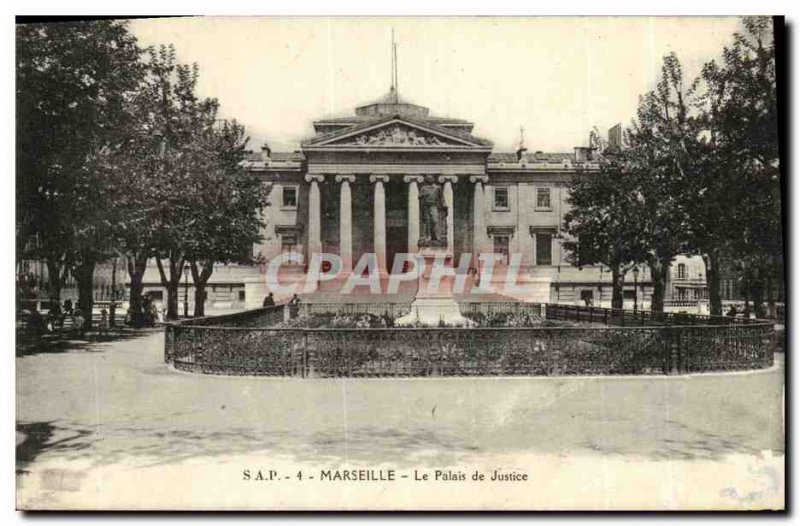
[346, 221]
[413, 211]
[379, 216]
[478, 220]
[448, 181]
[314, 215]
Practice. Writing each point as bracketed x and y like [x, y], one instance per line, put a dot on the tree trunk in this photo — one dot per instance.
[173, 310]
[171, 283]
[658, 274]
[112, 310]
[84, 276]
[136, 269]
[200, 278]
[199, 299]
[617, 283]
[713, 282]
[56, 272]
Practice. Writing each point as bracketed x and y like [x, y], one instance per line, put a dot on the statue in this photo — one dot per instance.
[433, 212]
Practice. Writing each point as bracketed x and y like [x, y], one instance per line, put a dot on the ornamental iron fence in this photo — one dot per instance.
[248, 343]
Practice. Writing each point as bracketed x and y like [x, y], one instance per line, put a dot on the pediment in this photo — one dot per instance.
[397, 133]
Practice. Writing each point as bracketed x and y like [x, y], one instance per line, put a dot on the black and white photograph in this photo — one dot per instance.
[341, 263]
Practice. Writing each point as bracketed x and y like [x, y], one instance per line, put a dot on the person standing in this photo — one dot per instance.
[37, 325]
[147, 314]
[269, 301]
[103, 321]
[55, 315]
[77, 322]
[294, 307]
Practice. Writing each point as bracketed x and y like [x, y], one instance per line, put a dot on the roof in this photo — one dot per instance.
[363, 124]
[355, 119]
[391, 97]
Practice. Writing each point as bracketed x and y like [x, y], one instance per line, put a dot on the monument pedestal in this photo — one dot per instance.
[436, 306]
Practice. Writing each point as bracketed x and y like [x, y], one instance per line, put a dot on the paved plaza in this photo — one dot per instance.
[94, 417]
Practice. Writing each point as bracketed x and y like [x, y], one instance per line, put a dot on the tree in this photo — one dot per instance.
[227, 218]
[134, 171]
[204, 208]
[181, 194]
[603, 224]
[663, 147]
[72, 83]
[742, 187]
[181, 120]
[131, 171]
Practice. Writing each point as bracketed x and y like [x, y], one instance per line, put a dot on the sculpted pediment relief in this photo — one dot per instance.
[397, 135]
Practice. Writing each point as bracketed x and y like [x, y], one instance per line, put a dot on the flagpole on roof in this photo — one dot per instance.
[394, 70]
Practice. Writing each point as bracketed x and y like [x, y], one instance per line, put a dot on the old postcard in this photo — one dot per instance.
[444, 263]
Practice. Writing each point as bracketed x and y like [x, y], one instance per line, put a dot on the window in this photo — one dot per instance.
[288, 243]
[543, 199]
[501, 247]
[241, 295]
[728, 289]
[681, 271]
[156, 295]
[289, 197]
[501, 198]
[544, 248]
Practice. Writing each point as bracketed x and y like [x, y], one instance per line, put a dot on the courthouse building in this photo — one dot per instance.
[354, 188]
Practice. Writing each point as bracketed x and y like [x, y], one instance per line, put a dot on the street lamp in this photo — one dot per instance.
[186, 291]
[635, 289]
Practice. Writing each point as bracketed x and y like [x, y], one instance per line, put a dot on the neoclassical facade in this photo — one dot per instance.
[355, 188]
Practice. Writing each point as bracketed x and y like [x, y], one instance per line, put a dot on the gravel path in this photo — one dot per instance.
[105, 424]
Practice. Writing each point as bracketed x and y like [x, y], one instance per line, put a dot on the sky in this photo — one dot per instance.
[555, 77]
